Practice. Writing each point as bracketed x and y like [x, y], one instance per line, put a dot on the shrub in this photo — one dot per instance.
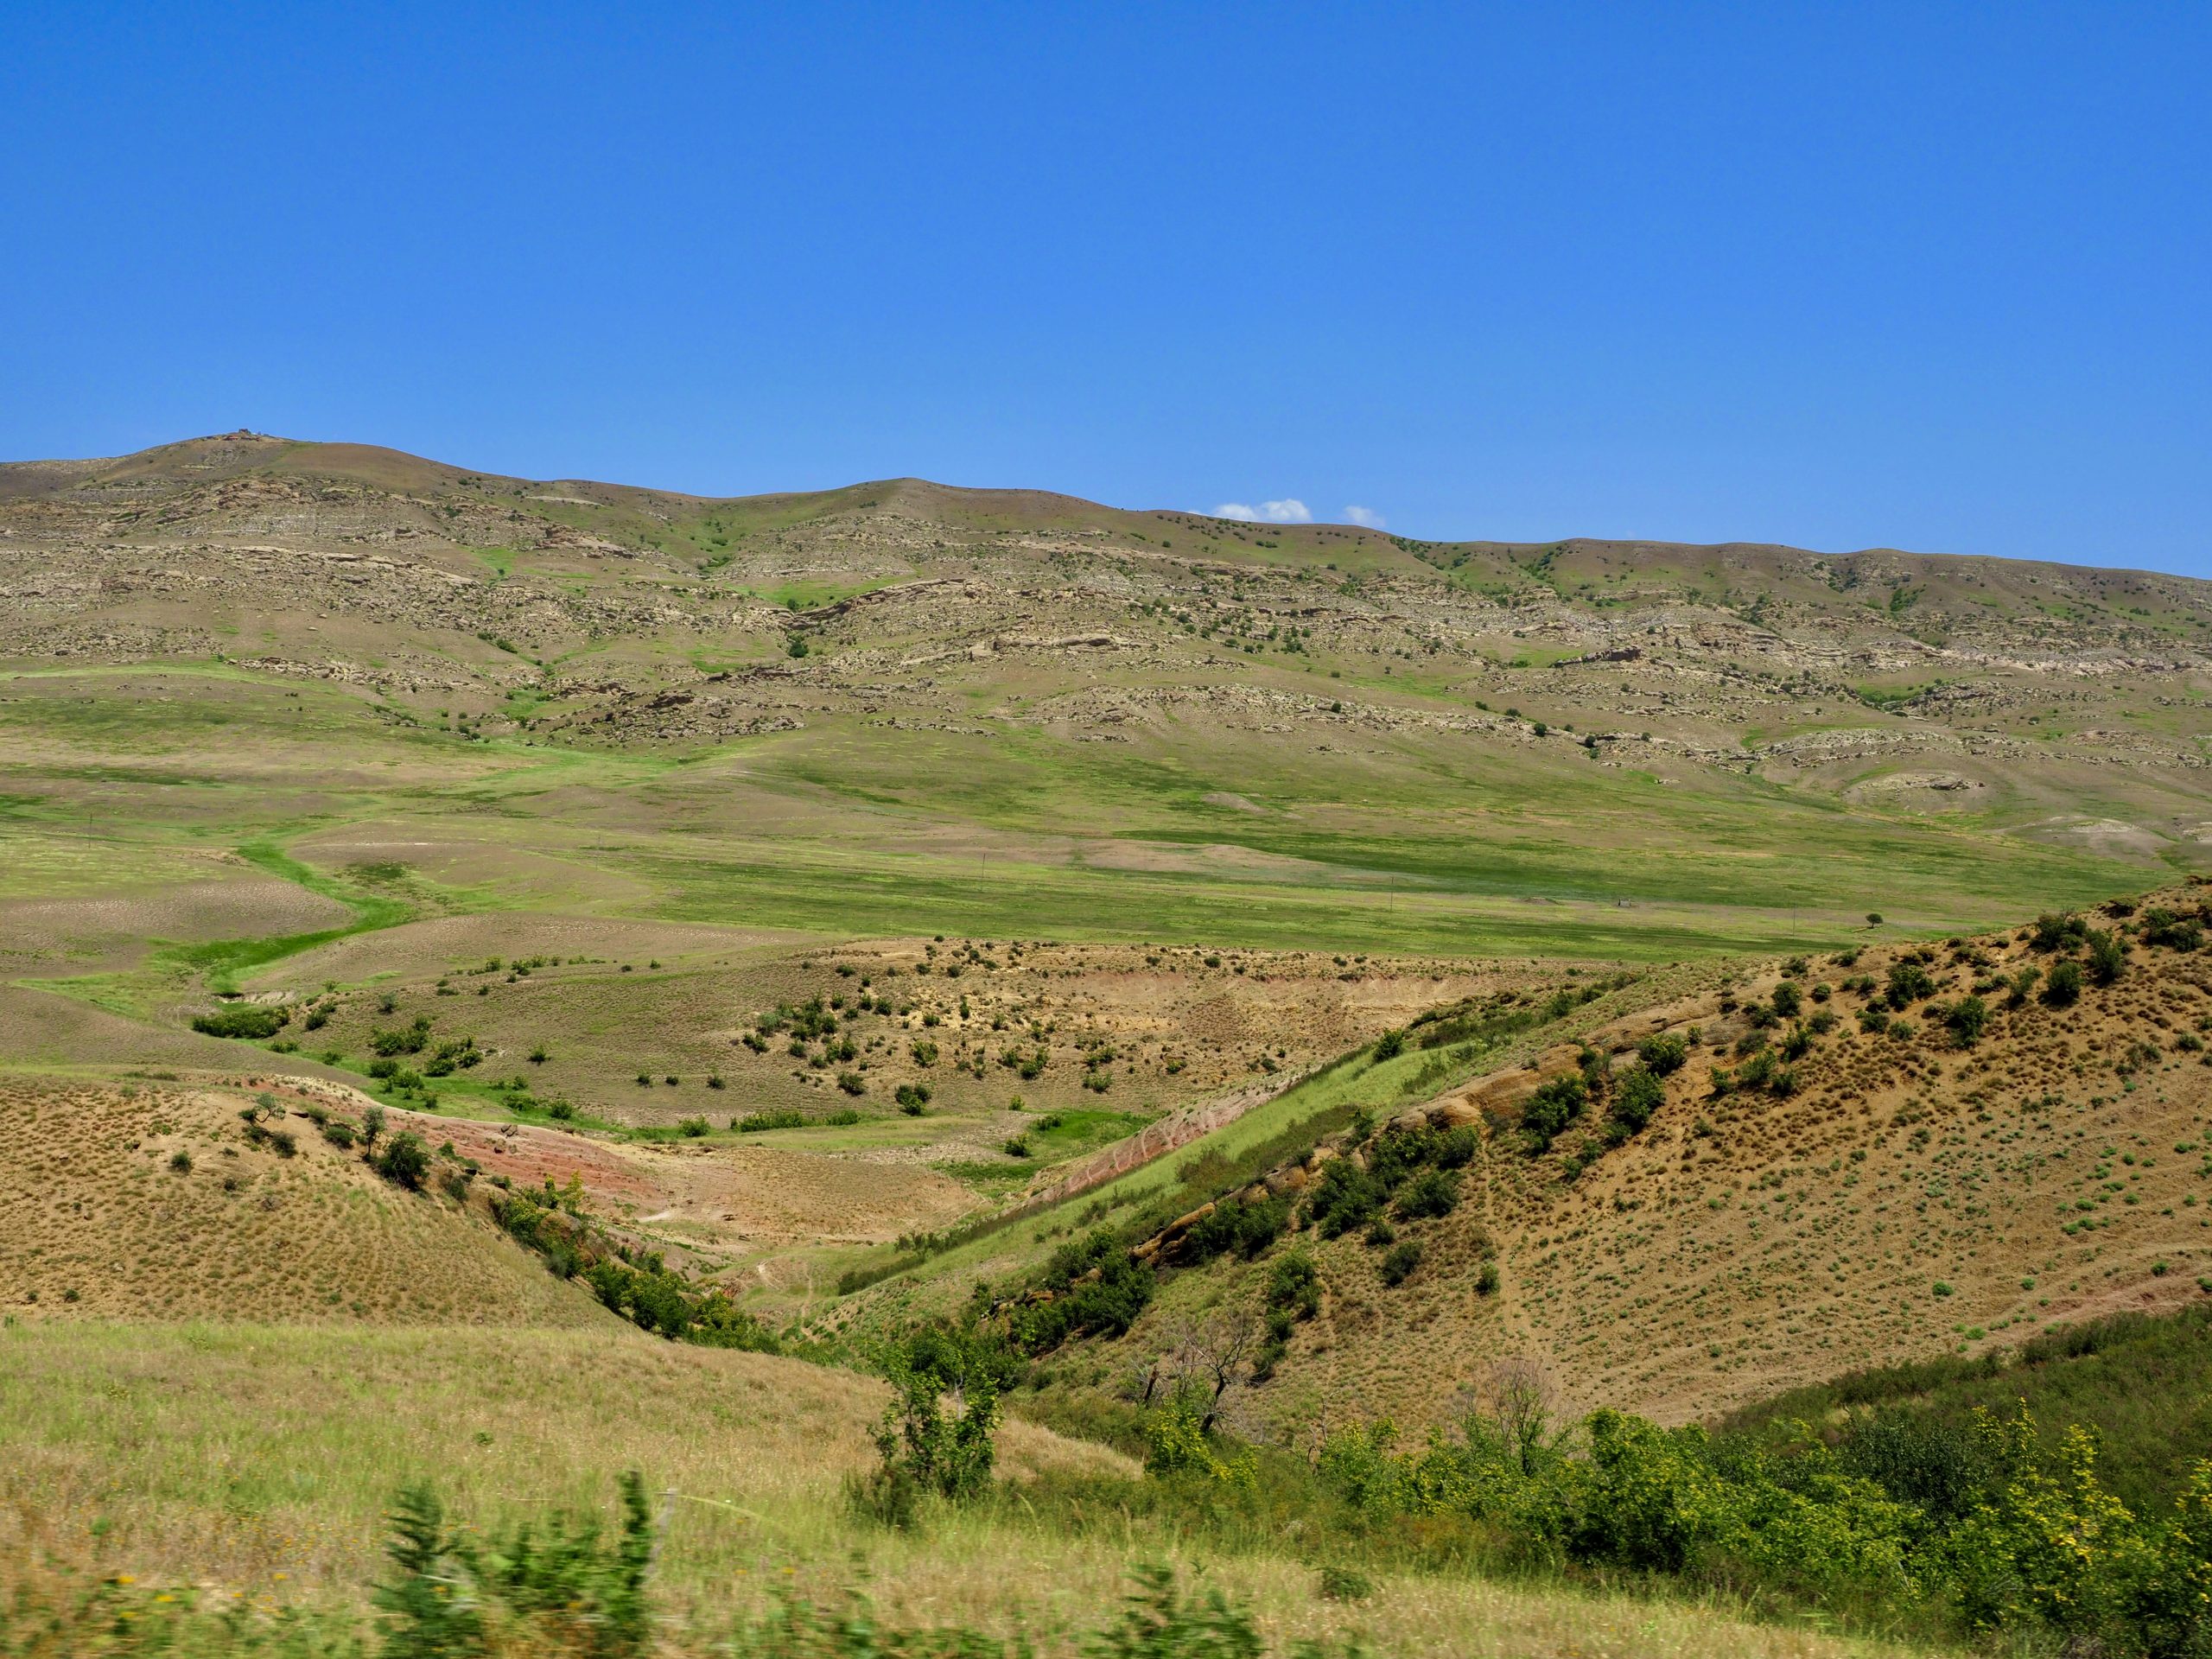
[1398, 1265]
[1636, 1098]
[1908, 984]
[1344, 1584]
[757, 1123]
[1486, 1279]
[1345, 1197]
[250, 1023]
[2161, 927]
[913, 1097]
[1236, 1223]
[1389, 1045]
[923, 1448]
[1432, 1193]
[925, 1051]
[181, 1161]
[2062, 986]
[405, 1161]
[1967, 1018]
[1294, 1286]
[1551, 1108]
[1788, 999]
[2107, 956]
[692, 1127]
[2058, 933]
[1664, 1053]
[1083, 1304]
[852, 1083]
[1016, 1145]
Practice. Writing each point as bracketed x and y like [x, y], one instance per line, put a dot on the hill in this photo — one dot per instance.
[156, 1201]
[1704, 1194]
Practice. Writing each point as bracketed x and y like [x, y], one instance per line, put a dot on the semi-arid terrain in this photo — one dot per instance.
[1325, 977]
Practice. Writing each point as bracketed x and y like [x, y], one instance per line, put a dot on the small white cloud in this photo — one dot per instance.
[1291, 511]
[1367, 516]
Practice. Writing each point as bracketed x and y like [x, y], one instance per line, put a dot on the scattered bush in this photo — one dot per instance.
[1398, 1265]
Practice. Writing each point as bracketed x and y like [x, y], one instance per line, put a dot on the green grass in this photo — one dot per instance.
[220, 962]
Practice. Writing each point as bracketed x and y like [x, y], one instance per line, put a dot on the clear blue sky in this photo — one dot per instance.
[1937, 275]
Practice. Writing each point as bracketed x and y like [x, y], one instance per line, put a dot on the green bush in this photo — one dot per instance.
[1345, 1198]
[1637, 1094]
[1431, 1193]
[1551, 1108]
[1967, 1019]
[2062, 986]
[923, 1448]
[1398, 1265]
[405, 1161]
[248, 1022]
[1908, 984]
[758, 1122]
[1246, 1226]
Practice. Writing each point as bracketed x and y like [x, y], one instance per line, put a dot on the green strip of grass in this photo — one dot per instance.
[221, 961]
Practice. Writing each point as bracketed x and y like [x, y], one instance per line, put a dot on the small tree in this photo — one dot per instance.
[405, 1161]
[926, 1448]
[1518, 1394]
[371, 1127]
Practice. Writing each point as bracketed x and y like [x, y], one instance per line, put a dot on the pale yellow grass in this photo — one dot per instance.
[233, 1455]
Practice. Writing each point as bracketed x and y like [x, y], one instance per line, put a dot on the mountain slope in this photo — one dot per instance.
[1870, 1158]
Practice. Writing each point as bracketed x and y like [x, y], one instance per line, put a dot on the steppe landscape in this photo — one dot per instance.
[511, 982]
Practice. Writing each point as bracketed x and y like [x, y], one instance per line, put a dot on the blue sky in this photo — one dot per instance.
[1932, 276]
